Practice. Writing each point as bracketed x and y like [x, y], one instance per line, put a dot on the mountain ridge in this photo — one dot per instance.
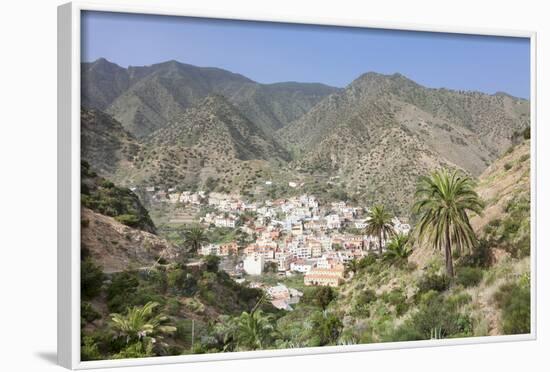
[145, 98]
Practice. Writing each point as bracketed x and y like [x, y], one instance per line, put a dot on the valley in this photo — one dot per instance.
[269, 216]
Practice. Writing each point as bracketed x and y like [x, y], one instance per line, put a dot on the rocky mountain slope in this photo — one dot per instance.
[506, 188]
[116, 247]
[209, 140]
[117, 231]
[189, 124]
[105, 144]
[147, 98]
[382, 131]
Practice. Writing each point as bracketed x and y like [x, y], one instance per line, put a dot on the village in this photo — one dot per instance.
[289, 237]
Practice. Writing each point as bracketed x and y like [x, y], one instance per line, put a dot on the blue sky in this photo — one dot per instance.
[275, 52]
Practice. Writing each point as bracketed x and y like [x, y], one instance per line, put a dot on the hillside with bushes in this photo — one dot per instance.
[404, 294]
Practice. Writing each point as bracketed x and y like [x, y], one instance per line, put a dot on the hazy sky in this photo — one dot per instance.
[275, 52]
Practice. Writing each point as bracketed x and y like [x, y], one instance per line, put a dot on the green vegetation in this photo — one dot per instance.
[513, 233]
[326, 328]
[397, 250]
[141, 325]
[433, 281]
[91, 279]
[252, 331]
[514, 300]
[102, 196]
[444, 200]
[194, 238]
[469, 276]
[192, 306]
[319, 296]
[379, 224]
[437, 317]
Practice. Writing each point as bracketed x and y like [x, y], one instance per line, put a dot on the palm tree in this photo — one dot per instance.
[140, 323]
[379, 224]
[443, 201]
[254, 330]
[194, 238]
[397, 249]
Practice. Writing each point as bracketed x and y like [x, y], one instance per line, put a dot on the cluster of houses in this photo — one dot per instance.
[296, 235]
[289, 236]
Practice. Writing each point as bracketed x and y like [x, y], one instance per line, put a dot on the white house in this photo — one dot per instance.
[253, 264]
[301, 266]
[333, 221]
[210, 249]
[224, 222]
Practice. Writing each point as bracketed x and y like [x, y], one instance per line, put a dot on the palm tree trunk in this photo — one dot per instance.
[380, 244]
[448, 253]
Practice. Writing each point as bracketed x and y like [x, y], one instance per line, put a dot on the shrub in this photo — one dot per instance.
[107, 184]
[121, 292]
[469, 276]
[513, 233]
[523, 158]
[514, 300]
[173, 306]
[366, 297]
[271, 267]
[508, 166]
[435, 315]
[397, 298]
[176, 278]
[326, 328]
[89, 349]
[319, 296]
[527, 133]
[433, 282]
[128, 220]
[481, 255]
[211, 263]
[87, 312]
[91, 279]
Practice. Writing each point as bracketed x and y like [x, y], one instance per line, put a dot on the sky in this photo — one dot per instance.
[276, 52]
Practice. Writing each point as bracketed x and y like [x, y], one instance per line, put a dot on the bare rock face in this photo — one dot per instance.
[117, 247]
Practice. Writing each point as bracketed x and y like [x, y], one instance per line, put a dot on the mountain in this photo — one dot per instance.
[383, 131]
[212, 139]
[147, 98]
[102, 82]
[105, 144]
[273, 106]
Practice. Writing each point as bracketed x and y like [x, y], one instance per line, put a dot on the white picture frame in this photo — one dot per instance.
[69, 16]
